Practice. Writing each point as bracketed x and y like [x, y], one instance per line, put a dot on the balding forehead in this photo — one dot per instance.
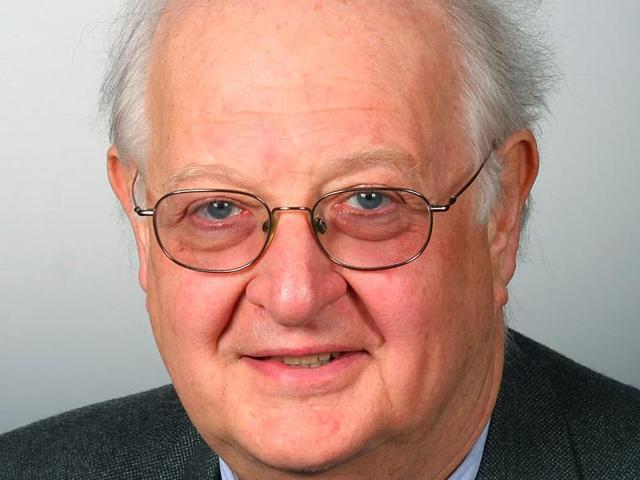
[393, 20]
[214, 60]
[332, 7]
[392, 34]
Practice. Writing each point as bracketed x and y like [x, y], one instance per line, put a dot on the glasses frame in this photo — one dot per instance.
[272, 221]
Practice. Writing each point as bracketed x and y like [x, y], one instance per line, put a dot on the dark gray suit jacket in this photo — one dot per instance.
[554, 420]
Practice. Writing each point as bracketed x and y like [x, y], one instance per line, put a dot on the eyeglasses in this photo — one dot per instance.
[224, 231]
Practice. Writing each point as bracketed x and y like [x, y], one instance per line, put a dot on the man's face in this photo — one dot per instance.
[272, 99]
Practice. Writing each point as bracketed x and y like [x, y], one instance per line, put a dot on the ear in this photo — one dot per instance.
[121, 175]
[520, 161]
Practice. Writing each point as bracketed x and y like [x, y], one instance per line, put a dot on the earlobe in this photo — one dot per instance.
[121, 174]
[520, 161]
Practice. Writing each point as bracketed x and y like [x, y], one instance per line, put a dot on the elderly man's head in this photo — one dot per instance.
[291, 360]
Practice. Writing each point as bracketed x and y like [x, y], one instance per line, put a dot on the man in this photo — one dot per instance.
[327, 200]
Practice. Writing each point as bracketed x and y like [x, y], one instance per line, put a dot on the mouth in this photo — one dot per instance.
[300, 372]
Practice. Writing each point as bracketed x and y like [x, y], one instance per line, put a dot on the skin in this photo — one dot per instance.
[275, 95]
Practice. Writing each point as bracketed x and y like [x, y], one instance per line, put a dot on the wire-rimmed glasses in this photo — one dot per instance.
[364, 228]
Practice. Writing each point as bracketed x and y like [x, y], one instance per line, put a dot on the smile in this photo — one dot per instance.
[307, 371]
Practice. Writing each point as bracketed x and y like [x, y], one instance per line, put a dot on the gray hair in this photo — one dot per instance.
[123, 91]
[507, 75]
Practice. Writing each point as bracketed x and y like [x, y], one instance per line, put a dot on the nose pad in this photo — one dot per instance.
[319, 225]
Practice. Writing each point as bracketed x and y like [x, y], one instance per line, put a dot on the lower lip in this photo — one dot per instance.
[334, 373]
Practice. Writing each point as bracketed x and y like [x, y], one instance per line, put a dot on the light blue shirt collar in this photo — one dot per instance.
[467, 470]
[226, 472]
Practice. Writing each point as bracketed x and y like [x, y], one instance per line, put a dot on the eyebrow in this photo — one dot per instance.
[222, 173]
[401, 162]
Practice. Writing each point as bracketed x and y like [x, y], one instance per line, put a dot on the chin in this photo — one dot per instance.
[312, 459]
[302, 451]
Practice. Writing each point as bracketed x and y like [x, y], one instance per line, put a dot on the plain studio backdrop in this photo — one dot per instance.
[73, 326]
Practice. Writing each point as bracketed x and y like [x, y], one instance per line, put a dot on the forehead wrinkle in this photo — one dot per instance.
[294, 126]
[300, 112]
[267, 100]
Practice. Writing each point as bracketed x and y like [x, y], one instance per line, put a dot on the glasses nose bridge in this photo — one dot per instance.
[273, 222]
[287, 208]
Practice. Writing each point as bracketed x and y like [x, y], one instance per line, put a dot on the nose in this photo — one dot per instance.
[294, 281]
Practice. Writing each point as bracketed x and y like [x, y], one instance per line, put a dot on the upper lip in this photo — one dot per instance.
[301, 352]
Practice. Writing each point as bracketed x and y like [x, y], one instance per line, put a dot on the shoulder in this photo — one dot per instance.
[592, 396]
[602, 416]
[131, 437]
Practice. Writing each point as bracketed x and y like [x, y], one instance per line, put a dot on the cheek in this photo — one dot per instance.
[189, 311]
[433, 317]
[436, 292]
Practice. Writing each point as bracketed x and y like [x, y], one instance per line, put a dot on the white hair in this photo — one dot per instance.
[507, 74]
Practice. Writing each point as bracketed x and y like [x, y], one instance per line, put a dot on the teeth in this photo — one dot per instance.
[290, 360]
[309, 361]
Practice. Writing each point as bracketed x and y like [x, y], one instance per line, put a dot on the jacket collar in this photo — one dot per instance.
[528, 434]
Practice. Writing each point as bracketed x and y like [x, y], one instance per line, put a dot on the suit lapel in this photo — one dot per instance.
[203, 463]
[204, 466]
[528, 436]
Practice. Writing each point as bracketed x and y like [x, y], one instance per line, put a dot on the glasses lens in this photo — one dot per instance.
[216, 230]
[373, 228]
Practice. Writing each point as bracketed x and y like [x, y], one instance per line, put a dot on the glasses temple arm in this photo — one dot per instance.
[148, 212]
[454, 198]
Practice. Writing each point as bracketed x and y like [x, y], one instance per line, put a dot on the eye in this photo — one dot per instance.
[218, 210]
[368, 200]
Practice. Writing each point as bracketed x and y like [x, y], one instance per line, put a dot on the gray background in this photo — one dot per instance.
[73, 327]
